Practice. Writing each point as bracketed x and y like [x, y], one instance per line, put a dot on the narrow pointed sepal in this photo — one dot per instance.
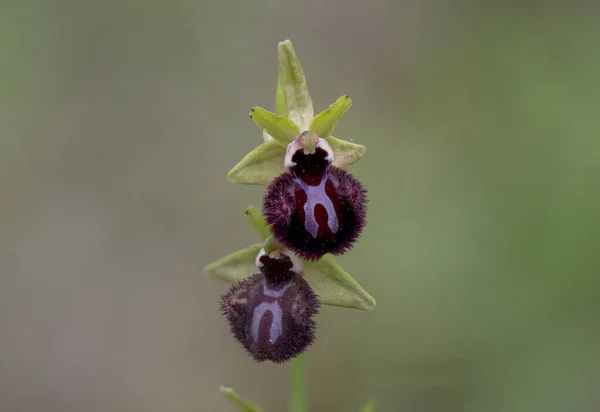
[280, 109]
[335, 286]
[235, 266]
[260, 166]
[345, 152]
[282, 130]
[324, 123]
[298, 104]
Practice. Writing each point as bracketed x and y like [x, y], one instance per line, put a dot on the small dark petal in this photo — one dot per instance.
[273, 321]
[337, 218]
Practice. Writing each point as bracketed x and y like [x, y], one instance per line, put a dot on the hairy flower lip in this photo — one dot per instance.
[285, 213]
[270, 313]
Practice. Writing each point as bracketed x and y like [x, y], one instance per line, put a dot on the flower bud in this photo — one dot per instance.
[270, 313]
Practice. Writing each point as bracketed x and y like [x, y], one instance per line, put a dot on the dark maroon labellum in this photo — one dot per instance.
[316, 208]
[270, 313]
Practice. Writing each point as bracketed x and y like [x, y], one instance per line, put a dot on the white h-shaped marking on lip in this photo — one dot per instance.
[276, 325]
[273, 307]
[316, 195]
[274, 293]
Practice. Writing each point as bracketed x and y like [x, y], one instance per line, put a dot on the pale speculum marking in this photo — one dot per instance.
[274, 293]
[316, 195]
[276, 328]
[276, 324]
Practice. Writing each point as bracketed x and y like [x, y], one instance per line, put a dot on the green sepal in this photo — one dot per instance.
[369, 406]
[279, 99]
[236, 266]
[257, 221]
[282, 130]
[238, 401]
[345, 153]
[324, 123]
[335, 286]
[298, 104]
[260, 166]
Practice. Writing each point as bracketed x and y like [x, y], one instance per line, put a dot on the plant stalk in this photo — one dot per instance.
[298, 385]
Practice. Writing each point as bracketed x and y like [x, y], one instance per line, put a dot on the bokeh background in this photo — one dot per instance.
[120, 119]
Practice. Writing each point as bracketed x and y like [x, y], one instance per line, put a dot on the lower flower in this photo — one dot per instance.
[270, 313]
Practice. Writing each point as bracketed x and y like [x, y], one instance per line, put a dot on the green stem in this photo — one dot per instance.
[298, 385]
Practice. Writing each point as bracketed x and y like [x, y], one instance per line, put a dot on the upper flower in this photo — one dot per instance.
[315, 208]
[295, 115]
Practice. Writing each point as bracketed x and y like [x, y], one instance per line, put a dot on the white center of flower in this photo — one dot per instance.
[293, 147]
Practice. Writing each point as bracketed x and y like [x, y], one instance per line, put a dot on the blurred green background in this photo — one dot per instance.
[120, 119]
